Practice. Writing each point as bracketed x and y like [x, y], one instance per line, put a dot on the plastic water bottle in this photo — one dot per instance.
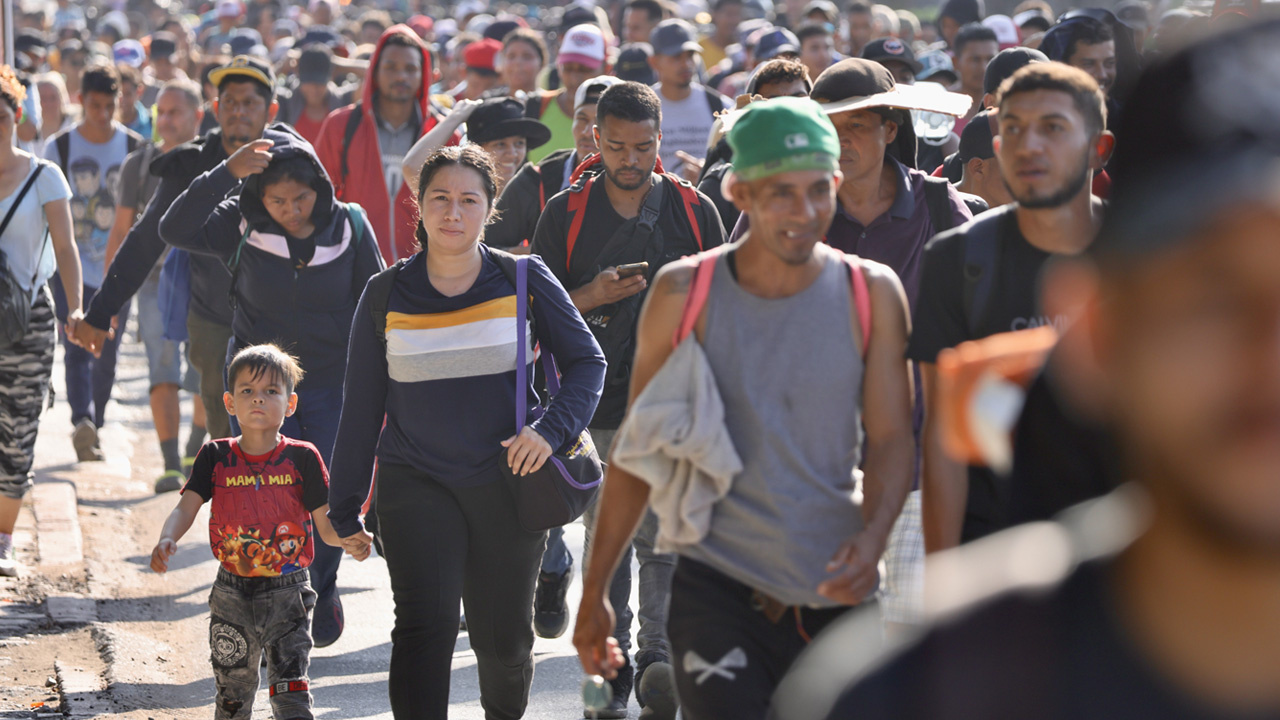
[597, 693]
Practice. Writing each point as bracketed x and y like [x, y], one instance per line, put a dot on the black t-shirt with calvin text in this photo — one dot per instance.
[939, 322]
[676, 238]
[1061, 653]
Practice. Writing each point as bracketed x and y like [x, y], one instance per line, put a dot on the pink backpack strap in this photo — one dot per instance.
[697, 297]
[861, 299]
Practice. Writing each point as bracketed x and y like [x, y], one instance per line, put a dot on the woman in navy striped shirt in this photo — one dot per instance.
[445, 381]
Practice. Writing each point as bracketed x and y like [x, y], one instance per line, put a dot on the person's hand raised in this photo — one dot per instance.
[251, 159]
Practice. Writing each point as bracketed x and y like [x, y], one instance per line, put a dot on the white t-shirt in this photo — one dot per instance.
[93, 170]
[686, 125]
[27, 233]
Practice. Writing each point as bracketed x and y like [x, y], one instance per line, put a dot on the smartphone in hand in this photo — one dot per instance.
[626, 271]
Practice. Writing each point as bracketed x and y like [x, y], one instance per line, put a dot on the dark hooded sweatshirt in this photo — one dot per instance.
[299, 293]
[143, 247]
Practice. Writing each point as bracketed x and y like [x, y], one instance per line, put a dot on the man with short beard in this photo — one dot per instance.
[625, 215]
[1051, 139]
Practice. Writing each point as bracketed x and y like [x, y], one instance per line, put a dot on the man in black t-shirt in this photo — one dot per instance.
[981, 278]
[625, 215]
[1182, 313]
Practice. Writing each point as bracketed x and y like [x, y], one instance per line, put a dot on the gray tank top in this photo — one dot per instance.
[790, 374]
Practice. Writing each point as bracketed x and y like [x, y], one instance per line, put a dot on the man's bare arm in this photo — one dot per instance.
[944, 483]
[624, 496]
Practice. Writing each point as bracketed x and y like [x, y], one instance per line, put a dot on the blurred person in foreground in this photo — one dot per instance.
[1166, 609]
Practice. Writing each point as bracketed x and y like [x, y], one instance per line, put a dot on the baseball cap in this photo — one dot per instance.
[129, 52]
[858, 84]
[421, 24]
[1006, 31]
[577, 14]
[502, 27]
[674, 37]
[245, 66]
[229, 9]
[315, 64]
[589, 91]
[583, 44]
[479, 56]
[963, 11]
[246, 41]
[30, 40]
[934, 62]
[633, 63]
[321, 34]
[892, 49]
[1198, 136]
[976, 138]
[1035, 18]
[284, 28]
[774, 43]
[1006, 63]
[808, 140]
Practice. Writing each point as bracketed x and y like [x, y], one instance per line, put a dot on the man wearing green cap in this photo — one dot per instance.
[804, 348]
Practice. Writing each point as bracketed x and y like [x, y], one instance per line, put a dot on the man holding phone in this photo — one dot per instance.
[604, 239]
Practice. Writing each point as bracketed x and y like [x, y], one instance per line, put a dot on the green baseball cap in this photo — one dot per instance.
[782, 135]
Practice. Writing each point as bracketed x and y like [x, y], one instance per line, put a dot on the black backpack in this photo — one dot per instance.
[15, 301]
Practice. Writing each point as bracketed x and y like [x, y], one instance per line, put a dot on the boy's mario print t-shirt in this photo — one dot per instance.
[260, 521]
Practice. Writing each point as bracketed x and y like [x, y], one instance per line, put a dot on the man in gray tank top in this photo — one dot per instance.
[796, 540]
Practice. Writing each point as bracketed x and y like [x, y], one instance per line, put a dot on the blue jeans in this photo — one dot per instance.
[557, 559]
[89, 379]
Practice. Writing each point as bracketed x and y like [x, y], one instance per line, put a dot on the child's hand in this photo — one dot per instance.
[161, 554]
[359, 545]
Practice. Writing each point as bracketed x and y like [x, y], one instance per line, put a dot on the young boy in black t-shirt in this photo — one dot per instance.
[268, 492]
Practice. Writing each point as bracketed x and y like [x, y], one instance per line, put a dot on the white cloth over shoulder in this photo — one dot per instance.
[674, 438]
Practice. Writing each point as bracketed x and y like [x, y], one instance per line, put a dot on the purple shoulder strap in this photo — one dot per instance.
[522, 366]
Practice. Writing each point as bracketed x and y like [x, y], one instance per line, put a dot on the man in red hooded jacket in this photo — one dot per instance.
[361, 146]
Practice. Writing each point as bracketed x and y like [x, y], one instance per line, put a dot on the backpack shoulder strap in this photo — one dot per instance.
[689, 196]
[358, 219]
[861, 299]
[981, 258]
[699, 290]
[938, 199]
[715, 101]
[349, 134]
[578, 208]
[63, 143]
[132, 141]
[379, 292]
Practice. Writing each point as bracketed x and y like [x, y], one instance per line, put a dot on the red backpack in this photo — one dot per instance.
[580, 190]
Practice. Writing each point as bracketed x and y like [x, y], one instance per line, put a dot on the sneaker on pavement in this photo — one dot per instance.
[621, 686]
[171, 481]
[328, 621]
[85, 440]
[550, 611]
[8, 564]
[656, 691]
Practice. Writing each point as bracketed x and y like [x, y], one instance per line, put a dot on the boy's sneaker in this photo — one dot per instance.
[550, 611]
[328, 622]
[621, 686]
[85, 440]
[8, 564]
[656, 691]
[171, 481]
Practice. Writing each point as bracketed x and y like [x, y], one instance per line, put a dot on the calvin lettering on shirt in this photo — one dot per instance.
[260, 521]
